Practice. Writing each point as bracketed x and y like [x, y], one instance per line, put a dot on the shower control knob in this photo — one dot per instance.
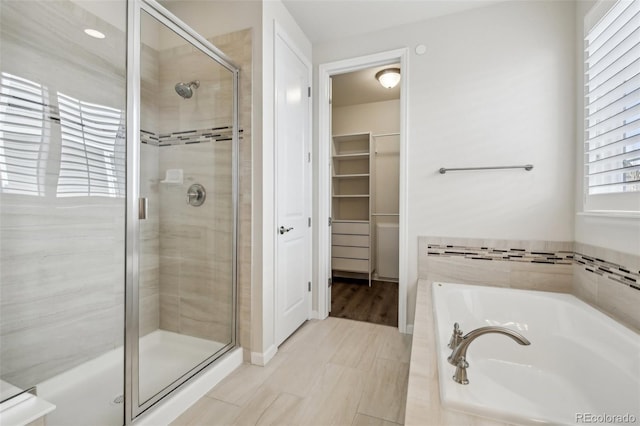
[196, 195]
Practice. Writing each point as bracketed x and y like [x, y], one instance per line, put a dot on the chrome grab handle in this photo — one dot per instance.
[143, 206]
[196, 195]
[284, 230]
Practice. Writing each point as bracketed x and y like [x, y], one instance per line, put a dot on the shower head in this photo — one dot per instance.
[186, 89]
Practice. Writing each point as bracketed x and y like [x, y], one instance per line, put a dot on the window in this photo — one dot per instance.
[612, 107]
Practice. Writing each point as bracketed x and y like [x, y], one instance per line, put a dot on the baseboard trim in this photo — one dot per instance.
[409, 328]
[262, 358]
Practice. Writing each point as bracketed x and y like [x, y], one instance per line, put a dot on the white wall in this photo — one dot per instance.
[613, 232]
[496, 87]
[374, 117]
[262, 336]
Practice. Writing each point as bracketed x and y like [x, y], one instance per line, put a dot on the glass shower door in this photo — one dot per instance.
[185, 207]
[62, 208]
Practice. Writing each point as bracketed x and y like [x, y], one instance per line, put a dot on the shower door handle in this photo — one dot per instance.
[143, 206]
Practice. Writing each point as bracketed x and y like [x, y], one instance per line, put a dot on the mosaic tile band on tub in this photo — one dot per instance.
[613, 271]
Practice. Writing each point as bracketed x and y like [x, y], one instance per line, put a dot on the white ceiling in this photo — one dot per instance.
[360, 87]
[324, 20]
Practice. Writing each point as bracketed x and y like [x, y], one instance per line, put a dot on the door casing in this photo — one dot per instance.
[322, 247]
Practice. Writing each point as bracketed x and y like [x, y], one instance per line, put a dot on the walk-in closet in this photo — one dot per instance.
[364, 195]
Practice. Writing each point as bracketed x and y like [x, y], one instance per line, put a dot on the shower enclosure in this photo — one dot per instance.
[118, 205]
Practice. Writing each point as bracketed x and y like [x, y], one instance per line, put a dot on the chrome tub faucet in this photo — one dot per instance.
[460, 344]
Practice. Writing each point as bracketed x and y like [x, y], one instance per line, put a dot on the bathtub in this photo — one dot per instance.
[581, 366]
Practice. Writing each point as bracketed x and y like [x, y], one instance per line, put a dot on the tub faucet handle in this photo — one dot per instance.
[460, 375]
[456, 336]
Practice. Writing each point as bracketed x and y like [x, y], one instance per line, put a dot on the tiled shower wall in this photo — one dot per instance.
[193, 293]
[606, 279]
[195, 243]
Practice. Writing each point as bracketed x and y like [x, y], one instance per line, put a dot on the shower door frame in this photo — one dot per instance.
[133, 408]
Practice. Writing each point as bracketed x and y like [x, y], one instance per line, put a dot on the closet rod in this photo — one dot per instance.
[385, 214]
[385, 134]
[527, 167]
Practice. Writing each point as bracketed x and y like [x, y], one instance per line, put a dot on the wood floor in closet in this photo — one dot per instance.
[354, 299]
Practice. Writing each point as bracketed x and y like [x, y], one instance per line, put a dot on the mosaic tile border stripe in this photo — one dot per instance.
[609, 270]
[214, 134]
[52, 113]
[515, 255]
[591, 264]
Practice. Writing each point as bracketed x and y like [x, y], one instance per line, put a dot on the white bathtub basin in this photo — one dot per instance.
[580, 362]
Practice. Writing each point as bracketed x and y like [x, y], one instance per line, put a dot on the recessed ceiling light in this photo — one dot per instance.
[94, 33]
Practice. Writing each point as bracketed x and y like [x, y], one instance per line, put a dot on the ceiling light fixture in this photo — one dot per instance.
[389, 77]
[94, 33]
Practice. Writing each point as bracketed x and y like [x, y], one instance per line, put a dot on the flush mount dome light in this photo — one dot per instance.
[94, 33]
[389, 77]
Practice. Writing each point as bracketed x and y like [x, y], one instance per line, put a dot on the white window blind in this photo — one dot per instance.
[612, 102]
[92, 155]
[23, 146]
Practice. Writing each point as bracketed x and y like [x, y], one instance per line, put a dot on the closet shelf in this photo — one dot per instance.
[351, 176]
[352, 190]
[356, 156]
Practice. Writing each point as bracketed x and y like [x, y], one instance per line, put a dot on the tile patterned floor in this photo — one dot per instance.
[331, 372]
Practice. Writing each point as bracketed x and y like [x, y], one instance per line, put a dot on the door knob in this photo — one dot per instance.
[284, 230]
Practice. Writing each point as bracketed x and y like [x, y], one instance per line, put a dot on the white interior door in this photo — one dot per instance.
[293, 236]
[330, 199]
